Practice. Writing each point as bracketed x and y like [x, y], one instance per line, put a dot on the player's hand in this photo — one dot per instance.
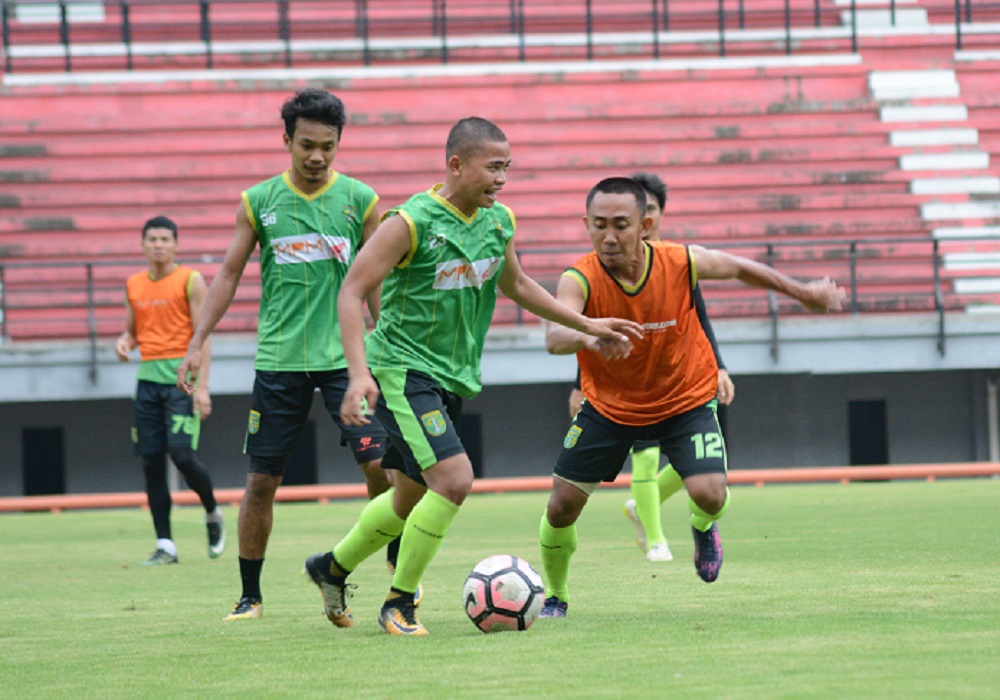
[615, 329]
[824, 295]
[123, 346]
[359, 401]
[203, 403]
[611, 348]
[727, 390]
[187, 373]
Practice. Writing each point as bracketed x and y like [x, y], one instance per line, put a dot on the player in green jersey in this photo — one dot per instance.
[309, 222]
[442, 256]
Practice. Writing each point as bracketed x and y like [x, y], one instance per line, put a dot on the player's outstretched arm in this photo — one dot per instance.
[531, 296]
[220, 296]
[818, 295]
[386, 248]
[560, 340]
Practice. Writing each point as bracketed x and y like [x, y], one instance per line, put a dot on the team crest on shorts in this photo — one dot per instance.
[434, 423]
[572, 436]
[253, 425]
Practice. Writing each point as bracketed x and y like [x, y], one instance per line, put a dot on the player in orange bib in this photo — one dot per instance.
[162, 305]
[663, 390]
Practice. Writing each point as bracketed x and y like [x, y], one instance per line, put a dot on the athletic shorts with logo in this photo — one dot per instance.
[420, 418]
[280, 409]
[163, 417]
[595, 447]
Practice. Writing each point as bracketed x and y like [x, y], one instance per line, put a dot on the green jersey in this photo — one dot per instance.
[307, 242]
[437, 304]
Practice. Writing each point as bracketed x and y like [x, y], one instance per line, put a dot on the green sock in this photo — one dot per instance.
[646, 495]
[426, 527]
[670, 482]
[700, 520]
[377, 526]
[558, 545]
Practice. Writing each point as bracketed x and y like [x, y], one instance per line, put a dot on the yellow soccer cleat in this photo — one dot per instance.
[246, 609]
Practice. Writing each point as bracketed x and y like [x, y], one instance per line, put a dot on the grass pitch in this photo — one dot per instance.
[884, 590]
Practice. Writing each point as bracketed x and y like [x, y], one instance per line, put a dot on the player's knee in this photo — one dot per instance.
[183, 457]
[154, 467]
[562, 511]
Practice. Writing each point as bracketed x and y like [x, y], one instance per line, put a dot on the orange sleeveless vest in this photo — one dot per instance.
[672, 369]
[162, 315]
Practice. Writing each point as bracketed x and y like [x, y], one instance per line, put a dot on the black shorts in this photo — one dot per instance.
[163, 417]
[420, 418]
[280, 408]
[595, 448]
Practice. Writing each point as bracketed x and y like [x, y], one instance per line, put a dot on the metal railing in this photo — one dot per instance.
[84, 300]
[300, 32]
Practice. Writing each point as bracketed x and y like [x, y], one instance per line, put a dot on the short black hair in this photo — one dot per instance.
[159, 222]
[653, 185]
[619, 185]
[471, 132]
[317, 105]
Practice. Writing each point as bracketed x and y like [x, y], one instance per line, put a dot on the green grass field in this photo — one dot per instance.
[881, 590]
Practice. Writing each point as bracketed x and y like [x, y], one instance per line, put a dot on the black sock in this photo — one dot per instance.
[392, 552]
[250, 573]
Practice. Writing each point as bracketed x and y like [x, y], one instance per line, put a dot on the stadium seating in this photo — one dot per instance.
[766, 162]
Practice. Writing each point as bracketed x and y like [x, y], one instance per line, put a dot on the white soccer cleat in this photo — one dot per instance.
[640, 531]
[659, 552]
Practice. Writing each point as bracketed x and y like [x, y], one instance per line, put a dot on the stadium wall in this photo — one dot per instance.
[777, 421]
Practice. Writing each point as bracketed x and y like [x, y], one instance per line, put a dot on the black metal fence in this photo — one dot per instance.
[129, 34]
[85, 300]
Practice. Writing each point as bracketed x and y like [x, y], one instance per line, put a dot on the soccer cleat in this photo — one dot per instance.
[399, 616]
[659, 552]
[160, 556]
[553, 607]
[216, 539]
[418, 596]
[640, 531]
[707, 553]
[245, 609]
[334, 589]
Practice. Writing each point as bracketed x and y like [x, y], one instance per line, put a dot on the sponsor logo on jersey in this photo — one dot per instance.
[351, 214]
[458, 274]
[311, 247]
[434, 423]
[659, 325]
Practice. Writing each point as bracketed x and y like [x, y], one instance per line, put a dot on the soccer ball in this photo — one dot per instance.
[503, 593]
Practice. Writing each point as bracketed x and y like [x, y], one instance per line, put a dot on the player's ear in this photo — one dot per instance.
[455, 164]
[288, 141]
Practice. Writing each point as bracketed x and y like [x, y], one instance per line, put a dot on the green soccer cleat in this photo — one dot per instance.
[246, 609]
[160, 556]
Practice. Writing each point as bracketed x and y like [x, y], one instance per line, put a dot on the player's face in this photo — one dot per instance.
[483, 174]
[159, 245]
[654, 212]
[313, 147]
[616, 226]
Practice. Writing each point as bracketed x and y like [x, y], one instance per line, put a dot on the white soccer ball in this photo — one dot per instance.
[503, 593]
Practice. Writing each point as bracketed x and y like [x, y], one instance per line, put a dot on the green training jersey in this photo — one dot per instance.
[437, 304]
[307, 242]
